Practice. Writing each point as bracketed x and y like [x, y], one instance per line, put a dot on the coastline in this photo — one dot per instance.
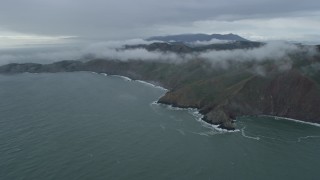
[196, 112]
[119, 76]
[193, 111]
[197, 115]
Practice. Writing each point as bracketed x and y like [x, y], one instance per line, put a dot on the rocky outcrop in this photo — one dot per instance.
[219, 117]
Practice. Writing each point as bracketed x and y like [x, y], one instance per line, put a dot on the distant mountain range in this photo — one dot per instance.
[183, 47]
[190, 38]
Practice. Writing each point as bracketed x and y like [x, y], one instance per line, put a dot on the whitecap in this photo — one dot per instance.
[155, 103]
[152, 85]
[307, 137]
[181, 132]
[162, 127]
[123, 77]
[208, 133]
[290, 119]
[246, 136]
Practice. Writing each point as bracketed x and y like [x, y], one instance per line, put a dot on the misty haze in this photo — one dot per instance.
[159, 89]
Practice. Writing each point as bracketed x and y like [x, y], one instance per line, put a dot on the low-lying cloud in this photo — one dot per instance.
[278, 51]
[269, 51]
[212, 41]
[114, 50]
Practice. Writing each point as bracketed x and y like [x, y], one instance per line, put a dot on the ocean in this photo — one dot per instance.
[74, 126]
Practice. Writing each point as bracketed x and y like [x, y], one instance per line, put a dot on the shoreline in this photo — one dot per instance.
[197, 114]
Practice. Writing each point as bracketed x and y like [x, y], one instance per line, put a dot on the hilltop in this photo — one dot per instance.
[185, 48]
[189, 38]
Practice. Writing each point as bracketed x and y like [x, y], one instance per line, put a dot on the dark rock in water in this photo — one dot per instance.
[219, 117]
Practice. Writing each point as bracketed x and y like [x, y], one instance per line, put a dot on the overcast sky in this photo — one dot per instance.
[56, 21]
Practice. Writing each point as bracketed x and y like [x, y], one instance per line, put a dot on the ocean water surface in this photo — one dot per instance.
[90, 126]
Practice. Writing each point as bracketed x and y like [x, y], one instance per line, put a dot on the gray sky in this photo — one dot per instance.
[55, 21]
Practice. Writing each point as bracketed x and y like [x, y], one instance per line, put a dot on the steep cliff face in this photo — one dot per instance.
[289, 94]
[294, 95]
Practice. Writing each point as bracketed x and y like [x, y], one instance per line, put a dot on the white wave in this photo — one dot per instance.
[162, 127]
[94, 73]
[193, 111]
[307, 137]
[175, 108]
[147, 83]
[155, 103]
[152, 85]
[277, 139]
[181, 132]
[123, 77]
[196, 113]
[202, 134]
[104, 74]
[246, 136]
[290, 119]
[208, 133]
[217, 127]
[198, 116]
[156, 108]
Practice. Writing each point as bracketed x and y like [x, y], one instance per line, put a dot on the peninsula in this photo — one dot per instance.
[220, 93]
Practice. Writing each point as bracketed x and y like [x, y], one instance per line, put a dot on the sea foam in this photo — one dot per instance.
[123, 77]
[152, 85]
[246, 136]
[290, 119]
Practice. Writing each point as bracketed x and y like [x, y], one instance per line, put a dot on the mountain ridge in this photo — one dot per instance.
[191, 38]
[185, 48]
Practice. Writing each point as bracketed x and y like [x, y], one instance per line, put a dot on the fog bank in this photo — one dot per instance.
[280, 52]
